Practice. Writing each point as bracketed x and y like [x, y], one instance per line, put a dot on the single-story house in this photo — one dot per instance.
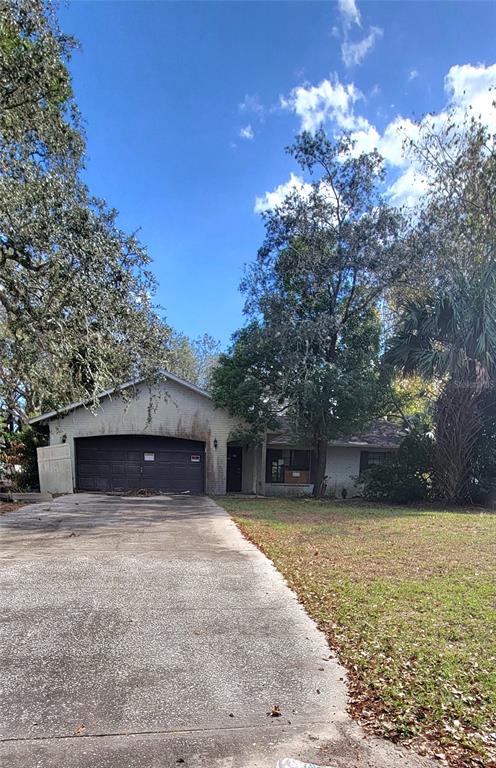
[171, 437]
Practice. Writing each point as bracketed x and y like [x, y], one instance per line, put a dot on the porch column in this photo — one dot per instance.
[261, 459]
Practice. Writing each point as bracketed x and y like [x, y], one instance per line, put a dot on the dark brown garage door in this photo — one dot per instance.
[129, 462]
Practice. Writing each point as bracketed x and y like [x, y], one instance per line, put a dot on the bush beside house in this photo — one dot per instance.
[18, 459]
[407, 475]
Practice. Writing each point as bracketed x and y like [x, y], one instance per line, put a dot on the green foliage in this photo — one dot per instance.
[193, 359]
[312, 348]
[18, 458]
[334, 397]
[76, 311]
[410, 396]
[451, 333]
[243, 382]
[407, 476]
[447, 333]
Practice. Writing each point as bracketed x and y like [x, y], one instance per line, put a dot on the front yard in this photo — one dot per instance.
[407, 599]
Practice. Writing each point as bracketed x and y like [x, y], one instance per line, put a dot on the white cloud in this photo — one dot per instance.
[474, 88]
[354, 53]
[251, 104]
[278, 195]
[349, 13]
[366, 140]
[246, 132]
[391, 143]
[408, 188]
[335, 104]
[467, 87]
[412, 75]
[329, 101]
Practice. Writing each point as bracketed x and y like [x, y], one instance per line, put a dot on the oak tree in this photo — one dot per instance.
[76, 311]
[332, 250]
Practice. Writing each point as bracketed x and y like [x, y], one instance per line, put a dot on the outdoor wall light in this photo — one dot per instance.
[215, 443]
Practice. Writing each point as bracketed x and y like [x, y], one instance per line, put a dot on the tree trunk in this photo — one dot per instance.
[458, 424]
[319, 485]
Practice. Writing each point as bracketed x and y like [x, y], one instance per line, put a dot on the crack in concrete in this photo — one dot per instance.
[301, 725]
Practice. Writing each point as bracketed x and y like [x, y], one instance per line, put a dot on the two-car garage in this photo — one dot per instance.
[132, 462]
[168, 436]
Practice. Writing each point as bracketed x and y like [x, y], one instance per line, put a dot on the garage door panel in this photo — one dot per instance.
[107, 455]
[95, 484]
[94, 468]
[84, 454]
[176, 457]
[134, 456]
[128, 479]
[125, 463]
[102, 484]
[119, 468]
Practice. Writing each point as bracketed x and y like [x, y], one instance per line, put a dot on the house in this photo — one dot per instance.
[171, 437]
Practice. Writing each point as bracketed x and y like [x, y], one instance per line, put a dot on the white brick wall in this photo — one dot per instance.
[169, 410]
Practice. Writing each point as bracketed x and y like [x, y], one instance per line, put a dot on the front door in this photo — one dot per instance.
[234, 469]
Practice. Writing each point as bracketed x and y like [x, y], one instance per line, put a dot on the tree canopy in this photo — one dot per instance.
[448, 333]
[76, 312]
[193, 359]
[342, 277]
[311, 350]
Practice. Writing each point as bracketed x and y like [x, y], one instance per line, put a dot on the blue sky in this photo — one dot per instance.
[188, 108]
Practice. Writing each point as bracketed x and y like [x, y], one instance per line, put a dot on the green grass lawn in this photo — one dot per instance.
[407, 599]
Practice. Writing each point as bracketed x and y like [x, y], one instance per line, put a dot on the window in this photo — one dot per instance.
[377, 458]
[275, 467]
[279, 462]
[148, 457]
[372, 459]
[300, 460]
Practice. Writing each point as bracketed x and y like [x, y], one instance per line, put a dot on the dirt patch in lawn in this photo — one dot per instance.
[407, 598]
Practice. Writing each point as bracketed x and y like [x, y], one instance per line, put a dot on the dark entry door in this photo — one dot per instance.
[234, 469]
[133, 462]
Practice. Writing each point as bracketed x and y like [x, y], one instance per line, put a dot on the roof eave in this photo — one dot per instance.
[108, 392]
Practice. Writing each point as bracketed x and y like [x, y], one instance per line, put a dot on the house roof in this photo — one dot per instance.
[380, 434]
[109, 392]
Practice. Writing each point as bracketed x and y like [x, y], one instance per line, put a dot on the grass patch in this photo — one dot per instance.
[407, 598]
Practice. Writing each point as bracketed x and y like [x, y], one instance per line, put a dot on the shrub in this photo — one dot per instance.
[407, 475]
[18, 459]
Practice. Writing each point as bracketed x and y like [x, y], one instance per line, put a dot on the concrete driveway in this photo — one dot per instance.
[147, 632]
